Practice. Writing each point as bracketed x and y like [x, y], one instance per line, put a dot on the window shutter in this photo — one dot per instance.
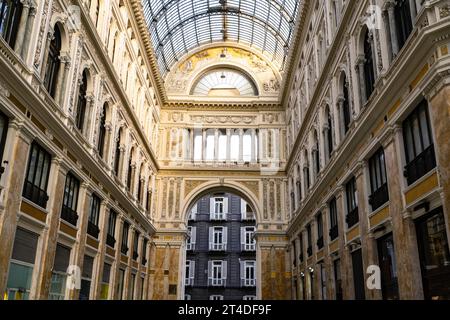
[211, 208]
[225, 236]
[192, 269]
[224, 270]
[211, 236]
[243, 209]
[242, 235]
[210, 271]
[194, 212]
[225, 205]
[242, 265]
[193, 235]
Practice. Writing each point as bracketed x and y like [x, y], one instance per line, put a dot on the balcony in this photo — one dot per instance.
[248, 216]
[334, 232]
[352, 218]
[188, 282]
[93, 229]
[320, 243]
[124, 249]
[217, 246]
[144, 261]
[213, 282]
[215, 216]
[35, 194]
[135, 255]
[110, 241]
[248, 282]
[379, 197]
[69, 215]
[421, 165]
[190, 246]
[248, 247]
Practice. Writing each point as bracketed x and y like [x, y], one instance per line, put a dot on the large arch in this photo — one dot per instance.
[211, 187]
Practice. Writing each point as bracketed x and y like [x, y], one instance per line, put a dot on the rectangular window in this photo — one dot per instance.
[319, 221]
[249, 298]
[418, 142]
[86, 277]
[334, 229]
[10, 17]
[120, 288]
[110, 236]
[104, 293]
[352, 217]
[323, 281]
[246, 211]
[70, 201]
[248, 273]
[218, 208]
[3, 132]
[59, 273]
[216, 297]
[248, 243]
[132, 285]
[388, 267]
[218, 238]
[144, 252]
[136, 245]
[358, 275]
[378, 180]
[94, 213]
[190, 273]
[36, 181]
[300, 254]
[309, 238]
[434, 255]
[192, 235]
[217, 273]
[124, 247]
[21, 265]
[193, 213]
[337, 279]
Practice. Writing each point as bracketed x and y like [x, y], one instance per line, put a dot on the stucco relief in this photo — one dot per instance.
[184, 74]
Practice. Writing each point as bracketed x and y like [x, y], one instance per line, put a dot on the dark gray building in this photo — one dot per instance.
[221, 250]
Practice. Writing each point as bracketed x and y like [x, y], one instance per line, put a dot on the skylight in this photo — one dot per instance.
[179, 26]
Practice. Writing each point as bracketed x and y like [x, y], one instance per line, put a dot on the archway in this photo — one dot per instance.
[219, 260]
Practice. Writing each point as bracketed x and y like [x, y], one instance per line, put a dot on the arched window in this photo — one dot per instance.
[81, 104]
[140, 185]
[369, 66]
[403, 21]
[117, 153]
[299, 185]
[306, 171]
[316, 154]
[329, 132]
[102, 131]
[130, 170]
[53, 63]
[10, 13]
[346, 105]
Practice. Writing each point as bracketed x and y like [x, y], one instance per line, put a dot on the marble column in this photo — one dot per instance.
[228, 144]
[192, 144]
[28, 32]
[97, 273]
[60, 94]
[22, 26]
[241, 144]
[392, 27]
[362, 82]
[50, 37]
[404, 234]
[16, 153]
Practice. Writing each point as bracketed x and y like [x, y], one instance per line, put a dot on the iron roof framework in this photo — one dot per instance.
[179, 26]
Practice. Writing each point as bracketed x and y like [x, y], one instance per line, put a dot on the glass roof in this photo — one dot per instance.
[219, 82]
[179, 26]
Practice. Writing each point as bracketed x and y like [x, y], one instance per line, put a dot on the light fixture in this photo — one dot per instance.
[223, 76]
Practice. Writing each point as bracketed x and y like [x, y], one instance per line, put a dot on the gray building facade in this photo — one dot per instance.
[221, 250]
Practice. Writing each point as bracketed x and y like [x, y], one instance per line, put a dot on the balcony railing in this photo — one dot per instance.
[135, 255]
[69, 215]
[189, 282]
[421, 165]
[218, 216]
[110, 241]
[93, 229]
[248, 247]
[217, 246]
[214, 282]
[352, 218]
[124, 249]
[248, 216]
[35, 194]
[248, 282]
[320, 243]
[144, 261]
[190, 246]
[379, 197]
[334, 232]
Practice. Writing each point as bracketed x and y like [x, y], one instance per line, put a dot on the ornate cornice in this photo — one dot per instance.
[246, 106]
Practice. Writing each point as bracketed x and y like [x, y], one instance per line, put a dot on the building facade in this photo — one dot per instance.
[221, 249]
[330, 119]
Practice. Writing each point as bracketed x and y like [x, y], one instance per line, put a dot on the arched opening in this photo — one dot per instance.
[221, 225]
[369, 64]
[82, 101]
[53, 62]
